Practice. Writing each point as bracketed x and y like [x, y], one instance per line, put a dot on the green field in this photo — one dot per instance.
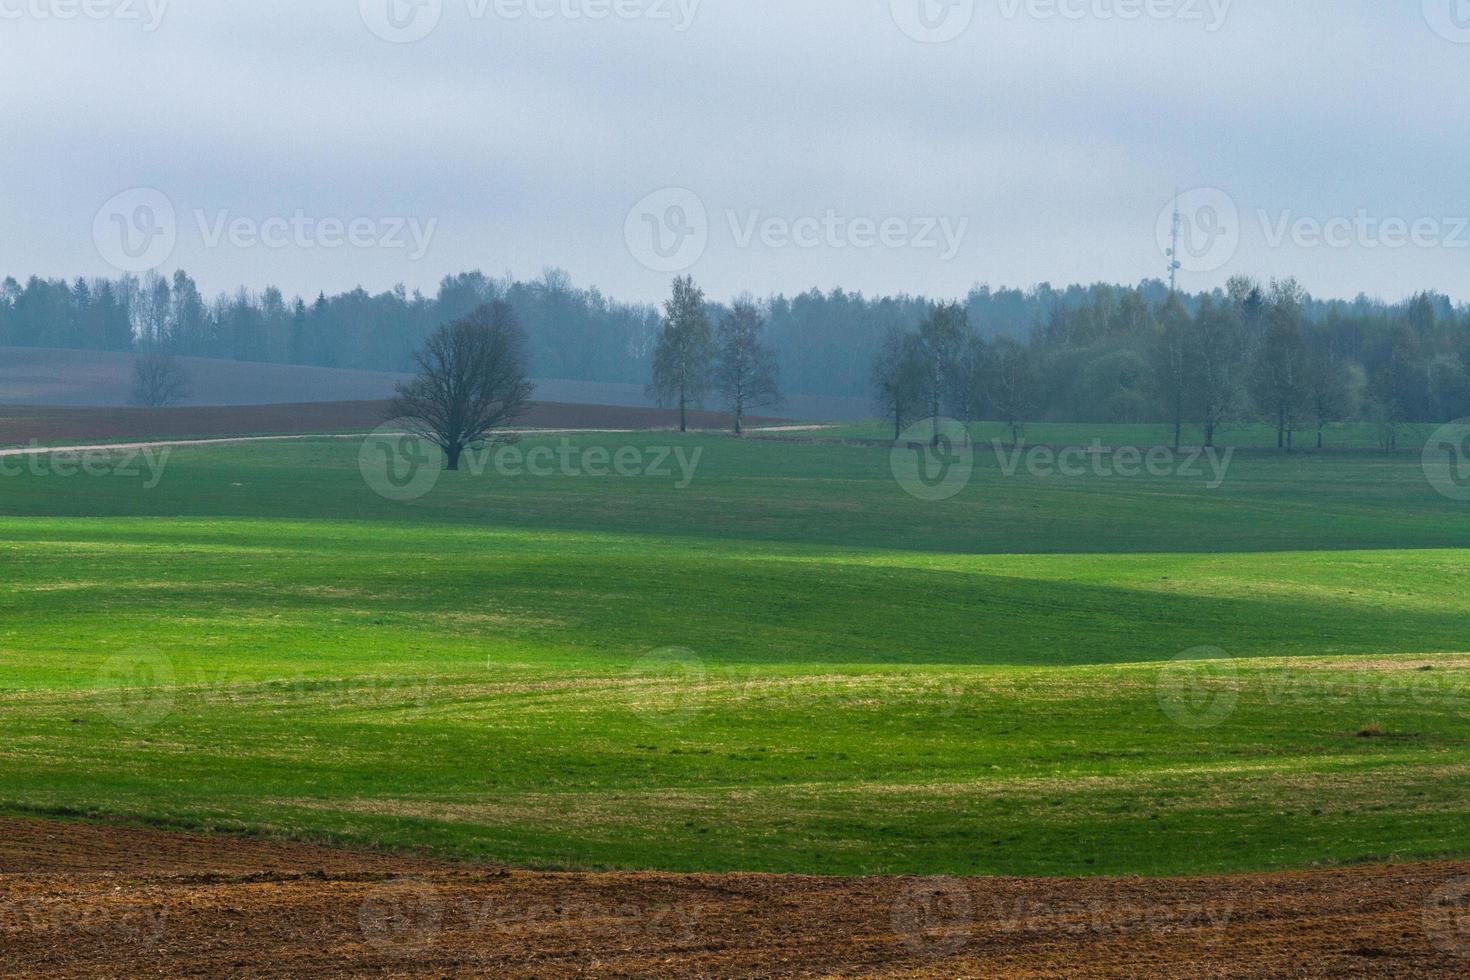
[789, 664]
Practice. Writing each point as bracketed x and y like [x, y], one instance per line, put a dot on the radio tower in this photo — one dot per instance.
[1174, 265]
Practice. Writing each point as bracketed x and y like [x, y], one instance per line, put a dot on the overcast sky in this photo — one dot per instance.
[763, 145]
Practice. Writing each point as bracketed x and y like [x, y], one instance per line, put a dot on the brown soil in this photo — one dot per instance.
[19, 426]
[81, 900]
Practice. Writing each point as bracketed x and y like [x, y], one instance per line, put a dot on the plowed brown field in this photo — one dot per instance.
[84, 900]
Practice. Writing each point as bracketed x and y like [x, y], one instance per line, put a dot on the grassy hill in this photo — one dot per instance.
[786, 664]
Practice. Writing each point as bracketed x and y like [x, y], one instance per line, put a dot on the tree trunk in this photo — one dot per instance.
[683, 416]
[1178, 432]
[452, 455]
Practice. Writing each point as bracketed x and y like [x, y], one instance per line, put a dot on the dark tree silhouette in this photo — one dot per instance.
[682, 357]
[746, 372]
[159, 380]
[472, 380]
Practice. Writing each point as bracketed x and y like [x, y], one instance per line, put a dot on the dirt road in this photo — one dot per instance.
[80, 900]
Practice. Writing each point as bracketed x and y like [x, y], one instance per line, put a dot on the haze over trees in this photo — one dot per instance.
[1100, 353]
[471, 381]
[745, 370]
[683, 356]
[159, 381]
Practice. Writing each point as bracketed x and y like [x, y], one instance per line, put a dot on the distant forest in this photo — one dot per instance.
[1093, 348]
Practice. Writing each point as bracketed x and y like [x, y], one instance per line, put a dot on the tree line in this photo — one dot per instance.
[1252, 352]
[1098, 353]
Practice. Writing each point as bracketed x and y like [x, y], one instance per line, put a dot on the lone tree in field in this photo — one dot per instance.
[1279, 385]
[471, 381]
[159, 380]
[942, 338]
[1169, 357]
[899, 373]
[682, 358]
[1013, 384]
[746, 373]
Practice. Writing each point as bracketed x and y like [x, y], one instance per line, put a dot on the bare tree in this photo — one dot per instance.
[942, 338]
[1217, 364]
[471, 381]
[746, 372]
[1169, 354]
[1331, 394]
[159, 380]
[1280, 382]
[681, 359]
[898, 378]
[1012, 384]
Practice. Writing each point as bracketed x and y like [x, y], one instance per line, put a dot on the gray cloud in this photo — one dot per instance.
[1056, 139]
